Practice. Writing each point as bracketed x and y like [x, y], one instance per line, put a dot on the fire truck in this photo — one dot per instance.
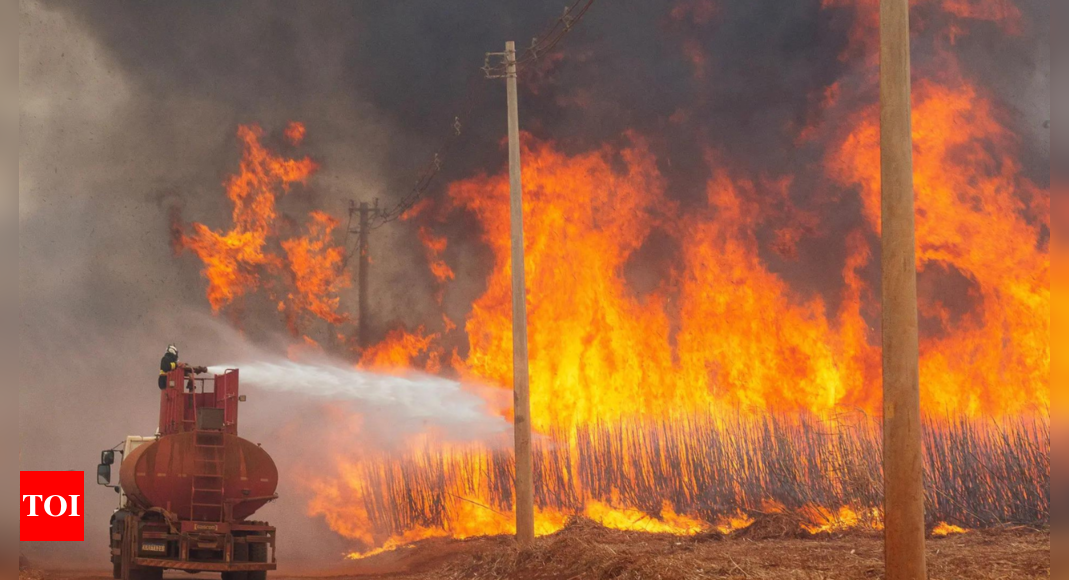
[187, 493]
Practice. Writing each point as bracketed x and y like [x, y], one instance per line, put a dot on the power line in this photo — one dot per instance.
[544, 43]
[426, 175]
[540, 45]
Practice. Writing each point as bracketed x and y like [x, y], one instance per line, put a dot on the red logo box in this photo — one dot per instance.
[53, 506]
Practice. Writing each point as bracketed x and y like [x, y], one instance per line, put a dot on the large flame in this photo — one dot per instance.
[596, 349]
[973, 211]
[316, 267]
[599, 351]
[251, 255]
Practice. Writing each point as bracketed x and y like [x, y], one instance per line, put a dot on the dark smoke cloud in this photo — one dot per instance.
[630, 65]
[128, 109]
[412, 61]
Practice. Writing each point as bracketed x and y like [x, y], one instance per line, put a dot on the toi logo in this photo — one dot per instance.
[52, 506]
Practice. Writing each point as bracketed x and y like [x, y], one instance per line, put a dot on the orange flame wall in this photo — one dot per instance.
[726, 330]
[600, 352]
[744, 337]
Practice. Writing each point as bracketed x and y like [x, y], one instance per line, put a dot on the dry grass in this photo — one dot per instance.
[26, 571]
[587, 551]
[977, 473]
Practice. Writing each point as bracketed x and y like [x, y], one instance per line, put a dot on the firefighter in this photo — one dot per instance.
[168, 363]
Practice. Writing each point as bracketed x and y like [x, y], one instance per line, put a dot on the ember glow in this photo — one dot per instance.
[723, 391]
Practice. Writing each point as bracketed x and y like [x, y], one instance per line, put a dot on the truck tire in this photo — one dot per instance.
[241, 554]
[130, 524]
[258, 553]
[116, 528]
[146, 574]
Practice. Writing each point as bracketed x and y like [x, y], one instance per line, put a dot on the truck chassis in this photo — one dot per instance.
[145, 544]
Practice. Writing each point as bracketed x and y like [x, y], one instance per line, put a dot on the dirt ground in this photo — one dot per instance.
[586, 551]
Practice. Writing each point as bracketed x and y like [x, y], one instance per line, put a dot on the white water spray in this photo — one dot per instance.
[409, 397]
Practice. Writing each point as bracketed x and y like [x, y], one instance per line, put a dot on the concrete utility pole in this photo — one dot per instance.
[366, 212]
[903, 468]
[520, 379]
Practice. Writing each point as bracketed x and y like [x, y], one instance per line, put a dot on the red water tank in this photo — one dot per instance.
[169, 473]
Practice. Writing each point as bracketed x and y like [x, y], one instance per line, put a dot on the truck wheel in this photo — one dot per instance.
[258, 553]
[146, 574]
[116, 528]
[241, 554]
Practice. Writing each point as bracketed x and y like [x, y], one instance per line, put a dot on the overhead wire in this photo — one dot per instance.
[540, 45]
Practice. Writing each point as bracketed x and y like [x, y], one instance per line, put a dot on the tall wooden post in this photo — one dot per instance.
[902, 444]
[362, 275]
[520, 379]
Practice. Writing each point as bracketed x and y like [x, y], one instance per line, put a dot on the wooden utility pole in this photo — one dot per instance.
[520, 379]
[903, 467]
[365, 213]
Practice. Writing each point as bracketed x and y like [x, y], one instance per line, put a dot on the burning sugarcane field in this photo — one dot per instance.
[611, 290]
